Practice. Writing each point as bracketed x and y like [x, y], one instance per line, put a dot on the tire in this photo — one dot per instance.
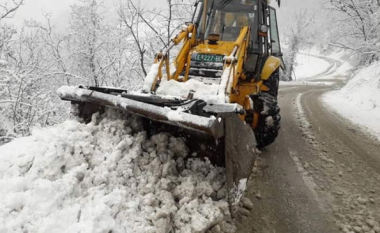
[269, 120]
[273, 83]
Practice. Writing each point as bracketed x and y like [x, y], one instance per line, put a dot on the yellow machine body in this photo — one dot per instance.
[241, 89]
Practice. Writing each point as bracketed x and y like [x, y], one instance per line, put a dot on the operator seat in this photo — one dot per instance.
[233, 23]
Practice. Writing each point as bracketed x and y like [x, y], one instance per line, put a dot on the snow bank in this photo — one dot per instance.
[342, 71]
[107, 176]
[305, 83]
[359, 100]
[309, 66]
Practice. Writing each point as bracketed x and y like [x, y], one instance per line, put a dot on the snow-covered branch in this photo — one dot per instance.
[7, 10]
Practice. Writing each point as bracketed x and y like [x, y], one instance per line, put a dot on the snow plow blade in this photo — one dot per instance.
[235, 140]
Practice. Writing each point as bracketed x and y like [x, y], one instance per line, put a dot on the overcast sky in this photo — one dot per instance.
[60, 9]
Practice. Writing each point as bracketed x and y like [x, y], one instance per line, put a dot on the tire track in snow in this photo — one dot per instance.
[300, 115]
[308, 134]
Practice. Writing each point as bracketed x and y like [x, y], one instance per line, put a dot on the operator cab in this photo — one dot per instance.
[225, 18]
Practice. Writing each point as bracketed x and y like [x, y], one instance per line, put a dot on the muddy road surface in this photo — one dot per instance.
[322, 175]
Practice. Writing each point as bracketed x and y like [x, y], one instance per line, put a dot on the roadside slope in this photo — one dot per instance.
[359, 99]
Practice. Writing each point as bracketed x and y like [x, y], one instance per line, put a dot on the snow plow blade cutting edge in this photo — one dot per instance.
[238, 138]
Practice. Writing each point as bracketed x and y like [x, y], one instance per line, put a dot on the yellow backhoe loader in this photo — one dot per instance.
[219, 91]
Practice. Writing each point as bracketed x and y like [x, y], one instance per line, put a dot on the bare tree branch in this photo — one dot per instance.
[8, 10]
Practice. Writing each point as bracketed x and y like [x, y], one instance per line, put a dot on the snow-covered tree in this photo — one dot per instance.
[151, 29]
[8, 8]
[298, 36]
[89, 37]
[27, 93]
[359, 27]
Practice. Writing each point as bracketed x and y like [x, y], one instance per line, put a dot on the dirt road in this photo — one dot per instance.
[322, 175]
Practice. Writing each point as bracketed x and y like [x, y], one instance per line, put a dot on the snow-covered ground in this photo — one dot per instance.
[107, 176]
[359, 99]
[309, 66]
[306, 83]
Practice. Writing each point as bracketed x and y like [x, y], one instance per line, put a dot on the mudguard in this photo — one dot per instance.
[270, 66]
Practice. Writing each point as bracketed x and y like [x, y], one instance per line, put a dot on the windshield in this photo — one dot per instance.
[227, 17]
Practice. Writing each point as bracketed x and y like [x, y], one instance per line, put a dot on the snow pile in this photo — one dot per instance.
[107, 176]
[304, 124]
[359, 100]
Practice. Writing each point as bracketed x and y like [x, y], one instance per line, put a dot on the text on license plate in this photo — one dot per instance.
[209, 58]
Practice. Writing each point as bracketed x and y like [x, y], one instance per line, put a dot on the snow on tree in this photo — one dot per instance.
[359, 26]
[101, 47]
[152, 29]
[9, 8]
[297, 38]
[89, 36]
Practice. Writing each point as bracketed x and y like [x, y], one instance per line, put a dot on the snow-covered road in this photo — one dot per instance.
[322, 173]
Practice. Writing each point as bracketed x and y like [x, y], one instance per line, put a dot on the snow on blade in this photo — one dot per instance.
[190, 121]
[206, 92]
[175, 115]
[72, 90]
[107, 176]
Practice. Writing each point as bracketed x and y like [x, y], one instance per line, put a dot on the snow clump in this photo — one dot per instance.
[3, 64]
[108, 176]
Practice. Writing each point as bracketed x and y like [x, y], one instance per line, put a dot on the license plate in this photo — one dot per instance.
[209, 58]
